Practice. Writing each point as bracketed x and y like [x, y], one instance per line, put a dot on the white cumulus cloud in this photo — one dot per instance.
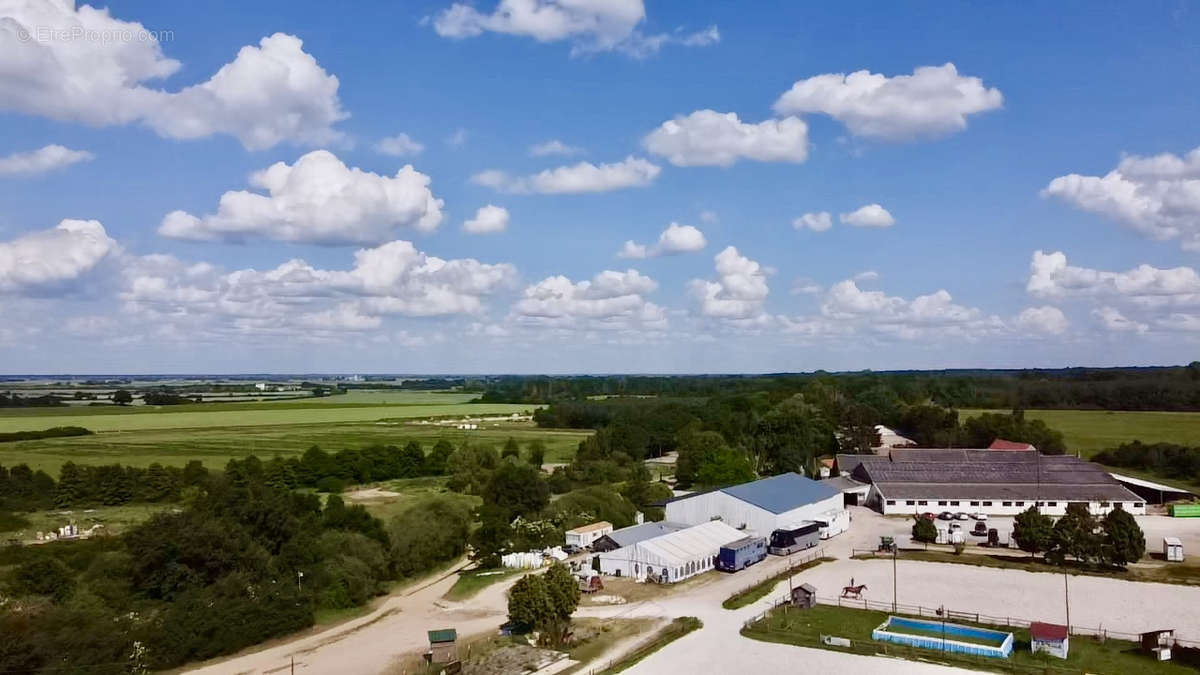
[316, 200]
[488, 219]
[1051, 276]
[400, 145]
[553, 147]
[932, 101]
[871, 215]
[935, 313]
[52, 257]
[710, 138]
[1112, 319]
[269, 93]
[672, 241]
[610, 300]
[739, 292]
[42, 160]
[577, 178]
[818, 221]
[1157, 196]
[1046, 319]
[591, 25]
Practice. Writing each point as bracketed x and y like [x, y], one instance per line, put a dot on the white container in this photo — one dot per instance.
[1172, 549]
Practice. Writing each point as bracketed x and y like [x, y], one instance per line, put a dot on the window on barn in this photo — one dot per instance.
[1051, 503]
[942, 502]
[909, 502]
[987, 503]
[921, 502]
[954, 503]
[1139, 505]
[974, 503]
[1007, 504]
[891, 502]
[1020, 503]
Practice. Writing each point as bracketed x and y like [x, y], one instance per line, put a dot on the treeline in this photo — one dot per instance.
[1169, 460]
[22, 489]
[728, 439]
[14, 400]
[53, 432]
[1158, 388]
[241, 562]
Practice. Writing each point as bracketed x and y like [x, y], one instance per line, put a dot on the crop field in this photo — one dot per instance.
[216, 445]
[1090, 431]
[241, 414]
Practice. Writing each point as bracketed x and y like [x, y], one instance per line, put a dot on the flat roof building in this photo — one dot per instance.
[671, 557]
[628, 536]
[918, 480]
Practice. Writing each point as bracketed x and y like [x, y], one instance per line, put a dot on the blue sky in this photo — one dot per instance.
[1060, 128]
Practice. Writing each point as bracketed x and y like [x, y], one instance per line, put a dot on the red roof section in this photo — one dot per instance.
[1047, 631]
[1001, 444]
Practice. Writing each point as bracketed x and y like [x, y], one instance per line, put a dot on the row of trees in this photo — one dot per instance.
[1112, 541]
[1169, 460]
[241, 562]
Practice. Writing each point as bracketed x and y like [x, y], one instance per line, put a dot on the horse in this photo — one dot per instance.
[853, 591]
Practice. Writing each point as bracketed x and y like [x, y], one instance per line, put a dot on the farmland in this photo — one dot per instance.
[214, 433]
[1090, 431]
[216, 445]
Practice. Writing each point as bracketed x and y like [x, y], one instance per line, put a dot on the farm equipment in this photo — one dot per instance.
[591, 584]
[887, 544]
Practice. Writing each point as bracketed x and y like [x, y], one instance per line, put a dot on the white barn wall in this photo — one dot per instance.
[996, 508]
[743, 515]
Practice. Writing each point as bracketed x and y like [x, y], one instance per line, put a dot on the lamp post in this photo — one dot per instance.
[1067, 594]
[894, 578]
[299, 576]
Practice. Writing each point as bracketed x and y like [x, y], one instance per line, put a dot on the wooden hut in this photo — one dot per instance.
[804, 596]
[443, 646]
[1158, 643]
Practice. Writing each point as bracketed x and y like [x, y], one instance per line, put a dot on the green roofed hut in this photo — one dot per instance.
[443, 646]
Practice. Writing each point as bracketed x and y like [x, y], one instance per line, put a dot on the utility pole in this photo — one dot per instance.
[1067, 593]
[894, 578]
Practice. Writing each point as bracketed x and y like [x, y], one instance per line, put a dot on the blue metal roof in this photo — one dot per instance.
[782, 493]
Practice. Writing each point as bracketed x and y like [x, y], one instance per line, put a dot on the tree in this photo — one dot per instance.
[856, 433]
[510, 449]
[725, 466]
[545, 602]
[435, 463]
[1124, 541]
[1075, 536]
[122, 397]
[923, 530]
[537, 453]
[1033, 530]
[411, 462]
[517, 490]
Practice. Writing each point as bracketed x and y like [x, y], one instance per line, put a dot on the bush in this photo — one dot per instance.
[331, 484]
[924, 530]
[428, 534]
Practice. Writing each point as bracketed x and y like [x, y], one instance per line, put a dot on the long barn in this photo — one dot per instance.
[991, 481]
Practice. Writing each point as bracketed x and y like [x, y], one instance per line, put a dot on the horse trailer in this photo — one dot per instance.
[786, 542]
[741, 554]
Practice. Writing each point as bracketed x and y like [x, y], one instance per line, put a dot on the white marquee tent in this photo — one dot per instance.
[671, 557]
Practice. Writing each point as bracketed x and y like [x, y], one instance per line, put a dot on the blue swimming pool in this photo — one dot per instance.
[959, 638]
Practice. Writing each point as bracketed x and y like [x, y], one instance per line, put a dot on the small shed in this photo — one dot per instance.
[1158, 643]
[1049, 638]
[443, 646]
[804, 596]
[1172, 549]
[586, 535]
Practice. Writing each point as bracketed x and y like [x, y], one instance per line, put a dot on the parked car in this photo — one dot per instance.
[955, 526]
[571, 549]
[993, 537]
[980, 530]
[928, 516]
[946, 515]
[979, 515]
[961, 516]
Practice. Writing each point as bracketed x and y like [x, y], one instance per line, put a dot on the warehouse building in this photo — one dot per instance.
[784, 502]
[991, 481]
[671, 557]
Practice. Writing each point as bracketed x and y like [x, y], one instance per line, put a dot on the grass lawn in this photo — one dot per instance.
[410, 492]
[216, 445]
[116, 519]
[471, 582]
[759, 591]
[1090, 431]
[804, 627]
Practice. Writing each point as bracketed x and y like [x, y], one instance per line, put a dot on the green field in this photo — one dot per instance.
[218, 444]
[1090, 431]
[237, 415]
